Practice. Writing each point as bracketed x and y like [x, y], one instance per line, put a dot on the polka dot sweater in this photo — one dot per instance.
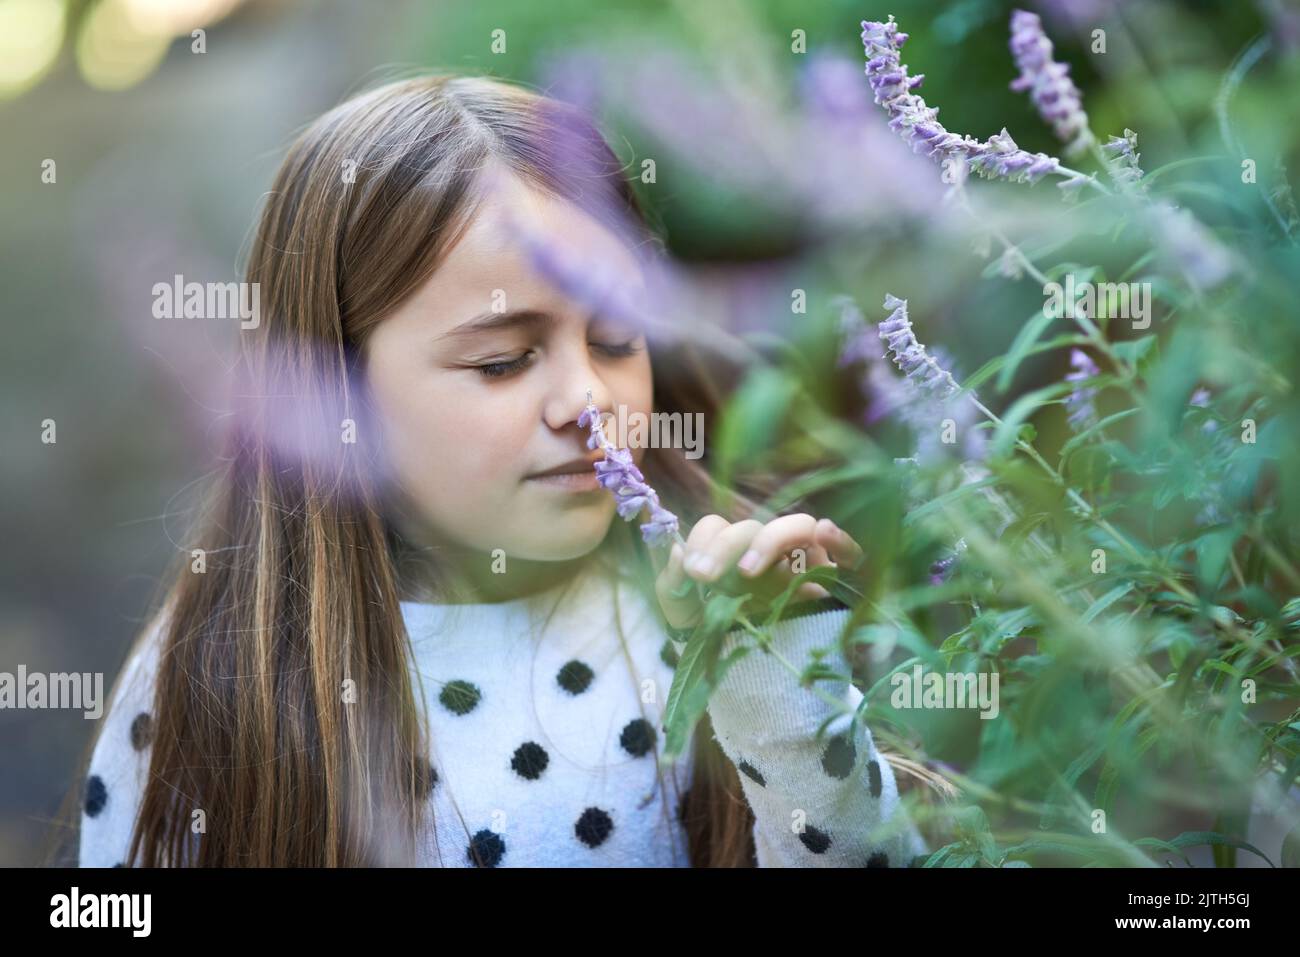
[547, 737]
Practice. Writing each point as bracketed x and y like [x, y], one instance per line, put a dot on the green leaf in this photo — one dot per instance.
[1164, 846]
[720, 612]
[937, 858]
[1092, 430]
[752, 417]
[683, 705]
[990, 368]
[1015, 534]
[1029, 334]
[1133, 350]
[1291, 848]
[1152, 175]
[1105, 601]
[1196, 838]
[1212, 553]
[1021, 409]
[824, 575]
[699, 671]
[941, 502]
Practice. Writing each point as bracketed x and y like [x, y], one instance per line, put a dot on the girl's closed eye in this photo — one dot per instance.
[504, 367]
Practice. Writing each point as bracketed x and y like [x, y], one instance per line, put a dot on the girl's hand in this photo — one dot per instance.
[759, 554]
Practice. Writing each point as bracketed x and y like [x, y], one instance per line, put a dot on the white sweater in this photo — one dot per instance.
[546, 745]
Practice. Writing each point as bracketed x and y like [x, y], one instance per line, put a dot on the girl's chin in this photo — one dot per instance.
[577, 532]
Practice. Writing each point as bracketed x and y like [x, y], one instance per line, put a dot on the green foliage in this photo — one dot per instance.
[1129, 576]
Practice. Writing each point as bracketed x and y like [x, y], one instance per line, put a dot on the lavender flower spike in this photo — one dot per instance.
[1054, 94]
[909, 355]
[1082, 411]
[1122, 160]
[909, 116]
[619, 474]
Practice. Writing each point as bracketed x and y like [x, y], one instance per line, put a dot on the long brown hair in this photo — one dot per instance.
[304, 570]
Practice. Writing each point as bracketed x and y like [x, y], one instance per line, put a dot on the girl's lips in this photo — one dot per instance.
[569, 482]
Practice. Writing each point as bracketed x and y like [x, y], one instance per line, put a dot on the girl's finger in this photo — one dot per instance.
[676, 592]
[838, 543]
[697, 542]
[720, 553]
[778, 537]
[816, 556]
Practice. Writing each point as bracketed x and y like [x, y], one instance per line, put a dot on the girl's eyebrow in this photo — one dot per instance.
[489, 321]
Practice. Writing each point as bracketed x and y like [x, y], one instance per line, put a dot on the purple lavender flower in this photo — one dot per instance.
[618, 473]
[879, 385]
[887, 394]
[941, 569]
[1199, 256]
[1072, 14]
[1123, 165]
[594, 281]
[909, 355]
[804, 153]
[999, 158]
[1050, 88]
[1082, 411]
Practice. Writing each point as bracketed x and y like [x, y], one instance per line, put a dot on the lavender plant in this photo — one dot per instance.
[997, 158]
[1108, 527]
[1054, 94]
[1130, 545]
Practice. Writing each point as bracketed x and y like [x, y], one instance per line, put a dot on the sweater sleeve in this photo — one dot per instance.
[119, 763]
[827, 803]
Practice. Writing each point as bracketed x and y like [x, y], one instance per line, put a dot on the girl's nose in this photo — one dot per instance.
[568, 396]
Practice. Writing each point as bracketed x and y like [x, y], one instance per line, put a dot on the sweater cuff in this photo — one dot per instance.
[761, 700]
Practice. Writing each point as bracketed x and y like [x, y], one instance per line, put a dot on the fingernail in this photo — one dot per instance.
[700, 564]
[750, 560]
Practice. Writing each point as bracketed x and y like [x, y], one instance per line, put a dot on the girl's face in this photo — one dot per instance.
[479, 377]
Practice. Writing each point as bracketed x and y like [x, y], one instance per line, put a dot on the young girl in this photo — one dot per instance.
[408, 629]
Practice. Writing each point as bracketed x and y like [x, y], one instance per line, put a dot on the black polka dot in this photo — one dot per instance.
[638, 737]
[574, 677]
[530, 760]
[751, 772]
[593, 827]
[426, 777]
[838, 758]
[486, 848]
[815, 840]
[873, 772]
[460, 697]
[668, 654]
[96, 795]
[878, 859]
[142, 730]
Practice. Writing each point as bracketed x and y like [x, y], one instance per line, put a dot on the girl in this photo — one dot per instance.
[408, 629]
